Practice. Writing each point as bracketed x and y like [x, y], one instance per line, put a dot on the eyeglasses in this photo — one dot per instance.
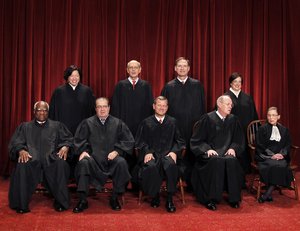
[272, 115]
[102, 106]
[133, 67]
[41, 110]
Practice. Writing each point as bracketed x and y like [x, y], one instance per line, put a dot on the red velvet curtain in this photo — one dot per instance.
[39, 39]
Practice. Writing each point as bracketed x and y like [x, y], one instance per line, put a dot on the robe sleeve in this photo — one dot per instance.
[254, 115]
[149, 100]
[91, 104]
[125, 140]
[81, 143]
[141, 144]
[285, 150]
[179, 143]
[261, 143]
[52, 108]
[17, 142]
[238, 140]
[115, 106]
[65, 137]
[198, 143]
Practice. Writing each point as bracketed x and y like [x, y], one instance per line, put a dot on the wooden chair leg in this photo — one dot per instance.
[258, 189]
[182, 191]
[251, 186]
[140, 197]
[296, 189]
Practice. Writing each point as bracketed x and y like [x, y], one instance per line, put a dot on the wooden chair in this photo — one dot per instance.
[163, 188]
[251, 134]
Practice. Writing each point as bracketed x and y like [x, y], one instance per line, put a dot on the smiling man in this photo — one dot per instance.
[217, 142]
[160, 144]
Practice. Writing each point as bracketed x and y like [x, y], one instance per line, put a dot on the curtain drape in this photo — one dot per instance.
[39, 39]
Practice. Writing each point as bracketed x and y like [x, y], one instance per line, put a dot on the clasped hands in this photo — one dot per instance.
[277, 156]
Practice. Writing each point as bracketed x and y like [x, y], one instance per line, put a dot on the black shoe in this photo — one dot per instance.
[170, 207]
[211, 206]
[261, 199]
[58, 207]
[269, 199]
[22, 211]
[81, 205]
[114, 204]
[234, 205]
[155, 202]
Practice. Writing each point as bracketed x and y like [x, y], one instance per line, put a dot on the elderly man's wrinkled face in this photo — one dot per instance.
[225, 106]
[133, 69]
[41, 112]
[74, 78]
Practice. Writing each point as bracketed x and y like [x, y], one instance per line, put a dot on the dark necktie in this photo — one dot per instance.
[102, 121]
[160, 121]
[133, 84]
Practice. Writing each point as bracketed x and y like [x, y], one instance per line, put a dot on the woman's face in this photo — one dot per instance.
[236, 84]
[74, 78]
[273, 117]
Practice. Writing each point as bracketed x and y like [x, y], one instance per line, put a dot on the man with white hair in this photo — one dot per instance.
[217, 143]
[132, 102]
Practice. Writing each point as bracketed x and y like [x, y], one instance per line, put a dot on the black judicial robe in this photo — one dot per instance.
[42, 142]
[159, 139]
[209, 172]
[72, 106]
[244, 108]
[275, 172]
[132, 106]
[99, 140]
[186, 103]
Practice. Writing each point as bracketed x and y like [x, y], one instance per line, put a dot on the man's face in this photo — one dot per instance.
[161, 107]
[74, 78]
[182, 68]
[41, 112]
[102, 108]
[225, 106]
[133, 69]
[273, 117]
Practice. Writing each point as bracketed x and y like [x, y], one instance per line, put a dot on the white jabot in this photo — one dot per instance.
[275, 134]
[182, 81]
[74, 87]
[160, 120]
[236, 93]
[221, 117]
[131, 81]
[102, 120]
